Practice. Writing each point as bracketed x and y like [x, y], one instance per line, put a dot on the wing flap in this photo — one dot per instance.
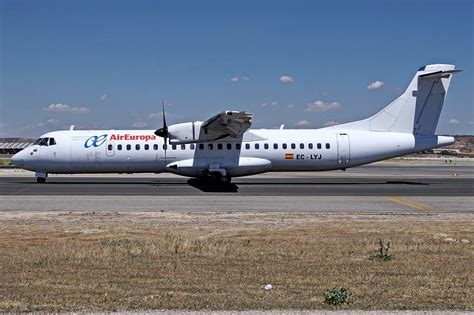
[228, 123]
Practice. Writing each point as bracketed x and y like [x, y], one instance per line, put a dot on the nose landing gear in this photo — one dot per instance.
[41, 177]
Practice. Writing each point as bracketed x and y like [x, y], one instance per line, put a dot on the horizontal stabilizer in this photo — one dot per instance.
[438, 75]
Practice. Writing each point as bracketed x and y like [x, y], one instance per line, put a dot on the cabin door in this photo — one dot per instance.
[343, 148]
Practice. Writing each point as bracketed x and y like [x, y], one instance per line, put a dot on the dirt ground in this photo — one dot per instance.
[111, 261]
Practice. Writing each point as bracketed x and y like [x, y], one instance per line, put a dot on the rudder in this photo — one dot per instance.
[430, 95]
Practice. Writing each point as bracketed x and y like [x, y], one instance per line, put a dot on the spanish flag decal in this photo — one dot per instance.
[289, 156]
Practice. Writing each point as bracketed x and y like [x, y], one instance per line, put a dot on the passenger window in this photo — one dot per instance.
[265, 146]
[238, 146]
[137, 147]
[110, 147]
[201, 146]
[328, 146]
[155, 147]
[210, 146]
[310, 145]
[301, 145]
[293, 146]
[257, 146]
[183, 147]
[319, 145]
[165, 146]
[275, 146]
[284, 146]
[147, 147]
[119, 147]
[52, 141]
[173, 147]
[129, 147]
[191, 146]
[219, 146]
[247, 146]
[229, 146]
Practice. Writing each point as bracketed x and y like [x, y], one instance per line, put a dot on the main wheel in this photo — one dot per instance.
[41, 180]
[218, 178]
[226, 179]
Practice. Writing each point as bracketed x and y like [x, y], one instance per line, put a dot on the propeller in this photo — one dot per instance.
[163, 132]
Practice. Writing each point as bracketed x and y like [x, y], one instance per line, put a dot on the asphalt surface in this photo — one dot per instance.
[374, 188]
[364, 181]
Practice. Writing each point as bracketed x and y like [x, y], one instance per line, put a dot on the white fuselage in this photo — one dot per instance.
[224, 146]
[262, 150]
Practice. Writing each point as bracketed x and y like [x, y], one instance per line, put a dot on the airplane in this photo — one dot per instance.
[224, 146]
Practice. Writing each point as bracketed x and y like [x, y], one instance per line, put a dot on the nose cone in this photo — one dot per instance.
[17, 159]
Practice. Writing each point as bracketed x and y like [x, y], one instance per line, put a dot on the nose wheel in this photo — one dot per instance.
[41, 177]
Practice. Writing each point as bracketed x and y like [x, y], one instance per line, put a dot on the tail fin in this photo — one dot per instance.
[418, 109]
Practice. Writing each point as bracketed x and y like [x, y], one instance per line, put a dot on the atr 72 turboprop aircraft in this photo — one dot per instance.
[224, 147]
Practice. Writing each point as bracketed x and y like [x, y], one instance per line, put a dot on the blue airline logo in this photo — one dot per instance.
[95, 141]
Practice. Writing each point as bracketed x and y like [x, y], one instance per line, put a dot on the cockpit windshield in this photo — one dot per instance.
[45, 141]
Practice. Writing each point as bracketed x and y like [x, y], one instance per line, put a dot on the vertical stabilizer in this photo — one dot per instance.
[418, 109]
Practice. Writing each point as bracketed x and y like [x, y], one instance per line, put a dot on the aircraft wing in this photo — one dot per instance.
[228, 123]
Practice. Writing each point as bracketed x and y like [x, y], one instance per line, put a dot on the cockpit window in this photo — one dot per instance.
[38, 141]
[44, 142]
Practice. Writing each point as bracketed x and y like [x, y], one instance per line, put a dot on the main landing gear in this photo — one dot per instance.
[226, 179]
[41, 177]
[218, 174]
[218, 177]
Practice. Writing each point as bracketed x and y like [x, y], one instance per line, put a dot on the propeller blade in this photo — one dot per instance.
[163, 132]
[164, 116]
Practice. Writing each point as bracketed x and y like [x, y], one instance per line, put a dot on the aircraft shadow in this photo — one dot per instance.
[209, 186]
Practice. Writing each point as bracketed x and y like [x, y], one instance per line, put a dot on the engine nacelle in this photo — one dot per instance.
[185, 133]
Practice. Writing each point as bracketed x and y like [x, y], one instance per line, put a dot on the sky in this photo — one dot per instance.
[306, 64]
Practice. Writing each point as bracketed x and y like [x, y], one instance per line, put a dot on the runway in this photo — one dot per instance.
[373, 180]
[382, 187]
[253, 186]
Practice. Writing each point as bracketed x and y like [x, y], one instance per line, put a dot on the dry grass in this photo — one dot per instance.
[136, 261]
[5, 162]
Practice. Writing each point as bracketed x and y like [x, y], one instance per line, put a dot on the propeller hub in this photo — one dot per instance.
[162, 132]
